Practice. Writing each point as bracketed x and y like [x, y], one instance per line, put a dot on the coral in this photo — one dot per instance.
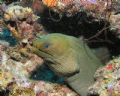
[25, 22]
[15, 70]
[18, 12]
[5, 34]
[23, 91]
[38, 6]
[14, 32]
[74, 6]
[50, 3]
[96, 8]
[26, 31]
[107, 79]
[115, 24]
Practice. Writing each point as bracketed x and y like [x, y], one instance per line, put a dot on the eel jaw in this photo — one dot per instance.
[42, 54]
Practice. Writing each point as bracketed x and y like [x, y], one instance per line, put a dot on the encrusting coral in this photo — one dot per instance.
[15, 71]
[96, 8]
[115, 23]
[107, 79]
[25, 22]
[17, 12]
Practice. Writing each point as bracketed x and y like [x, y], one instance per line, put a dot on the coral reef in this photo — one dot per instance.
[18, 12]
[15, 70]
[19, 25]
[22, 22]
[107, 79]
[115, 23]
[96, 8]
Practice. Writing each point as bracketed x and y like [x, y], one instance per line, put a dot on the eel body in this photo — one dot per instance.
[69, 57]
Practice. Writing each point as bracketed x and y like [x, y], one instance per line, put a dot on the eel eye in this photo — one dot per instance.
[46, 45]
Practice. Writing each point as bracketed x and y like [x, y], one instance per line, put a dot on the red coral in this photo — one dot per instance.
[110, 67]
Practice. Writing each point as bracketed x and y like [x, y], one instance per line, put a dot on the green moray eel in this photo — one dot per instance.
[69, 57]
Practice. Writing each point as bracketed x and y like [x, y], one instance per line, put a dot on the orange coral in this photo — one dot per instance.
[50, 3]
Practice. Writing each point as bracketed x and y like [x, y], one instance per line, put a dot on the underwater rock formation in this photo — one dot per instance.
[107, 79]
[15, 70]
[22, 22]
[16, 12]
[96, 8]
[115, 24]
